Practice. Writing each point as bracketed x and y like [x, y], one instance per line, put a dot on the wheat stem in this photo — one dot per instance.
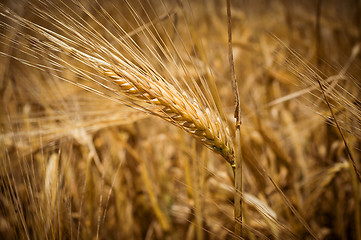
[237, 168]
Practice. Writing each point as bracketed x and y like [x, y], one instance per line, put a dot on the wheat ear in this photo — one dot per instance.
[176, 108]
[139, 85]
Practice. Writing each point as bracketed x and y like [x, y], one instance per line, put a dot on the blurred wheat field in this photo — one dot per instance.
[117, 119]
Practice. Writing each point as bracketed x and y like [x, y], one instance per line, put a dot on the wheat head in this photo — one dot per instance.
[137, 81]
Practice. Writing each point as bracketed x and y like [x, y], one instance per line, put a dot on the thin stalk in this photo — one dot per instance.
[237, 168]
[238, 202]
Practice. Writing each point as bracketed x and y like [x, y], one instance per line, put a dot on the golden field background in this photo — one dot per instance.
[75, 165]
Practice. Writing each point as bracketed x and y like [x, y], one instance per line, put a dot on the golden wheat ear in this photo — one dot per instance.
[136, 80]
[175, 107]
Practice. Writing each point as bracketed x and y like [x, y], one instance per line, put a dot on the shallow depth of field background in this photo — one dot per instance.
[74, 165]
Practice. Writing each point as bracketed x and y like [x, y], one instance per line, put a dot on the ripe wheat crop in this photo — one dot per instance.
[88, 89]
